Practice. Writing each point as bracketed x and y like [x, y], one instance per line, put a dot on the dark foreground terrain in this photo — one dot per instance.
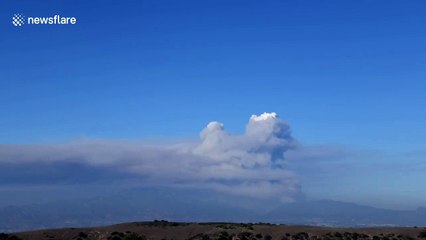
[219, 231]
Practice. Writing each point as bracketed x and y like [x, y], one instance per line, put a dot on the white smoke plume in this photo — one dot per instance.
[251, 164]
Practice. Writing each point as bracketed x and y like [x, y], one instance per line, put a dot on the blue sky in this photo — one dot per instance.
[341, 73]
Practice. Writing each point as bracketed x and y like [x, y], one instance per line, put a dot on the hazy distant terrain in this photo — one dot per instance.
[180, 205]
[159, 230]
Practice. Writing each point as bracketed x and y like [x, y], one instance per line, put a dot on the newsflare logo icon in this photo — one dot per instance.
[18, 19]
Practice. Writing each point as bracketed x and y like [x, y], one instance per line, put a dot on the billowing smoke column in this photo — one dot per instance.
[253, 163]
[264, 143]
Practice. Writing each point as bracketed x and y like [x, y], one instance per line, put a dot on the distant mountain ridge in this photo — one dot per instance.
[182, 205]
[335, 213]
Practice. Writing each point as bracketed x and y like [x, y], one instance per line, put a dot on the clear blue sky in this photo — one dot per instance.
[349, 73]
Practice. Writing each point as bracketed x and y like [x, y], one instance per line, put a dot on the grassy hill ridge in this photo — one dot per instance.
[164, 230]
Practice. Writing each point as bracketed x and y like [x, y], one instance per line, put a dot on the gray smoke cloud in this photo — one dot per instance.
[252, 164]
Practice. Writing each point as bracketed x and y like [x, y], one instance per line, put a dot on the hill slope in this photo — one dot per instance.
[159, 230]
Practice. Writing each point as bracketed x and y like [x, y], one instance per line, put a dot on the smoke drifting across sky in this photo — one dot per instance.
[252, 164]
